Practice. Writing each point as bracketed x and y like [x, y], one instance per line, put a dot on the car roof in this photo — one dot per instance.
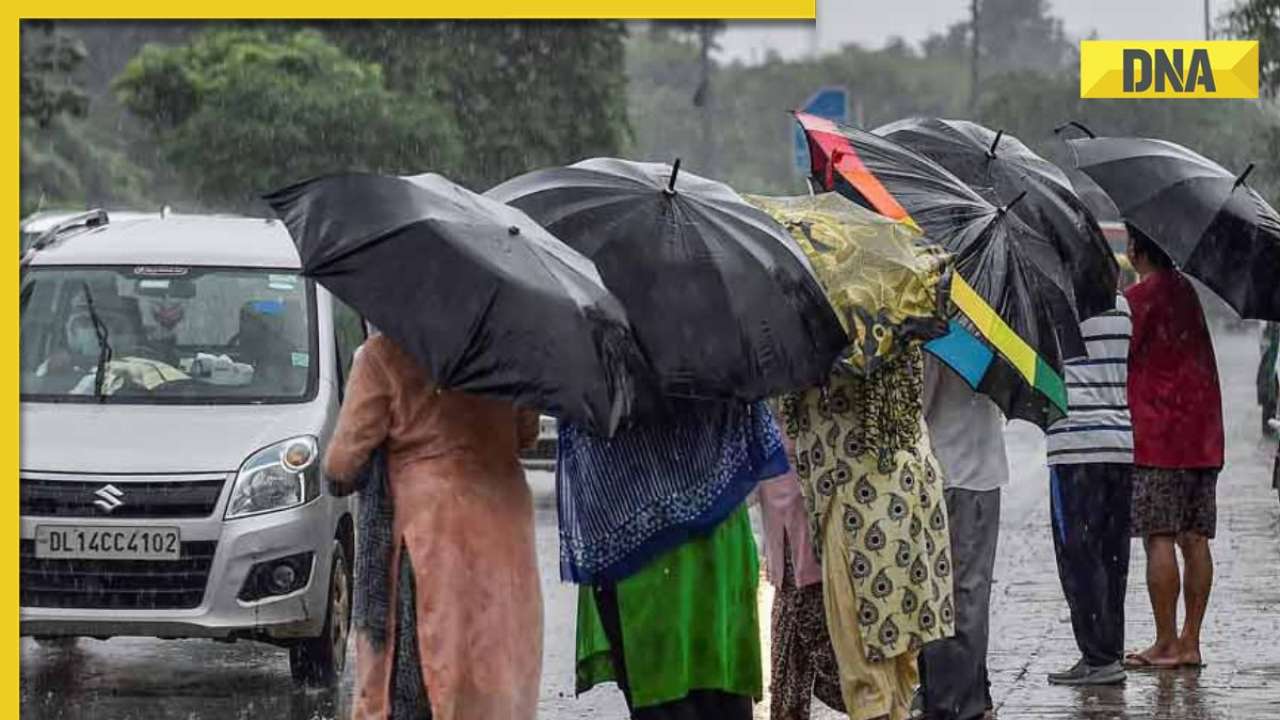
[199, 240]
[38, 222]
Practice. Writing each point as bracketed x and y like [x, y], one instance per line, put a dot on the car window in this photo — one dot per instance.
[166, 334]
[348, 330]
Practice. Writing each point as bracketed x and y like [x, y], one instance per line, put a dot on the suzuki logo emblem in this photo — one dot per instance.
[108, 498]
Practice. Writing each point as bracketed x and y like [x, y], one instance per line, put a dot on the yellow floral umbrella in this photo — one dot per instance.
[887, 284]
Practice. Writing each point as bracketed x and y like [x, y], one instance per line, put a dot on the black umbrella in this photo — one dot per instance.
[1000, 167]
[1212, 224]
[483, 296]
[1017, 273]
[722, 301]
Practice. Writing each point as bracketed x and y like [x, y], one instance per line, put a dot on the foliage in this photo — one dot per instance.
[240, 112]
[1260, 20]
[523, 95]
[1013, 34]
[71, 163]
[48, 60]
[751, 103]
[1232, 132]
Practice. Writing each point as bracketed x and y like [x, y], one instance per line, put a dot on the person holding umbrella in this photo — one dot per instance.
[803, 660]
[967, 430]
[887, 286]
[480, 310]
[1185, 213]
[654, 530]
[1176, 403]
[463, 519]
[1090, 456]
[727, 313]
[870, 480]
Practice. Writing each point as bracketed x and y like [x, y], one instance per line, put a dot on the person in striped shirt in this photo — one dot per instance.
[1090, 455]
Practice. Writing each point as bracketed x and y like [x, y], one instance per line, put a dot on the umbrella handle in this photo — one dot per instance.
[1243, 175]
[836, 155]
[1076, 125]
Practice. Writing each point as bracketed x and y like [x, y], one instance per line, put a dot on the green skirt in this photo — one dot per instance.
[688, 621]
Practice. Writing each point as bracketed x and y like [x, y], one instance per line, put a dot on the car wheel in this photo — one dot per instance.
[319, 660]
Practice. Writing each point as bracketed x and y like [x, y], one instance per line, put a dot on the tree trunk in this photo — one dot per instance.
[706, 37]
[976, 39]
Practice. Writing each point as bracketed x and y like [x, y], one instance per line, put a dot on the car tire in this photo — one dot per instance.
[319, 661]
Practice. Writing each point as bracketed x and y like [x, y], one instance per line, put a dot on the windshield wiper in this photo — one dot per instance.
[104, 347]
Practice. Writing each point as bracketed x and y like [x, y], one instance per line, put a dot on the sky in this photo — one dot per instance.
[871, 22]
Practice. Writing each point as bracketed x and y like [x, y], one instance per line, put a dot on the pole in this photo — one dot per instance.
[1208, 27]
[708, 149]
[975, 36]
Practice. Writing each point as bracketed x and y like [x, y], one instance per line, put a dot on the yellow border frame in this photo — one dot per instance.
[84, 9]
[442, 10]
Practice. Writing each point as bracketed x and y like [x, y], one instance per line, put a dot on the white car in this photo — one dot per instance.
[179, 382]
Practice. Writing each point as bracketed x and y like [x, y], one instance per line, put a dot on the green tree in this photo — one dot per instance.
[703, 33]
[522, 94]
[47, 84]
[239, 112]
[63, 160]
[1260, 20]
[753, 129]
[1232, 132]
[1013, 35]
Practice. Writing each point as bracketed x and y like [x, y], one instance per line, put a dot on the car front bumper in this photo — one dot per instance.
[241, 544]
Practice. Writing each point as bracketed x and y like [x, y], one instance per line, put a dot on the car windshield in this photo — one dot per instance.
[166, 334]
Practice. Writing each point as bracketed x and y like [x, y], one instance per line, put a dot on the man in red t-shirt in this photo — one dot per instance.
[1176, 406]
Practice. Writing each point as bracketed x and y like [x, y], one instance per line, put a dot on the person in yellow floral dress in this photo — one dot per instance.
[873, 490]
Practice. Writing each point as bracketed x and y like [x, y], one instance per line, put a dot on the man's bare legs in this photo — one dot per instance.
[1163, 587]
[1197, 582]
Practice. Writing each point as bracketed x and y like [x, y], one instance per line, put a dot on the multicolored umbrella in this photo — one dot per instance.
[888, 285]
[1000, 167]
[1012, 289]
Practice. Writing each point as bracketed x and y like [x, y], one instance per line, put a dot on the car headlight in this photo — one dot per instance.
[281, 476]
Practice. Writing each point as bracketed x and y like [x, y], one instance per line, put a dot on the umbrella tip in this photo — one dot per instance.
[991, 152]
[1240, 180]
[1013, 202]
[671, 184]
[513, 230]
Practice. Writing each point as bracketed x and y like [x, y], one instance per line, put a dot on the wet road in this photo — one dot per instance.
[1031, 635]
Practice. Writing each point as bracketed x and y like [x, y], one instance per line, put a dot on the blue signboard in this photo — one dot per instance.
[829, 102]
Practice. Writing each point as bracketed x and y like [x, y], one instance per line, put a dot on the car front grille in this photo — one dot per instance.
[116, 584]
[143, 499]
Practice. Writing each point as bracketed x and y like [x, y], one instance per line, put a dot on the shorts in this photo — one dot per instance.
[1170, 501]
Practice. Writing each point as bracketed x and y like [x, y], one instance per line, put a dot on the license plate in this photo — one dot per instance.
[108, 542]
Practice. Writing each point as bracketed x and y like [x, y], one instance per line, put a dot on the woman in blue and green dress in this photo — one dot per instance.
[654, 529]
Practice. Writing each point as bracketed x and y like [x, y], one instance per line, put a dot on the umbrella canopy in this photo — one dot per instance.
[486, 299]
[1212, 224]
[1000, 167]
[722, 301]
[888, 285]
[1013, 287]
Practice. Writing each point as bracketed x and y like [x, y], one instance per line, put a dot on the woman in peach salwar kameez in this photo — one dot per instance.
[463, 514]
